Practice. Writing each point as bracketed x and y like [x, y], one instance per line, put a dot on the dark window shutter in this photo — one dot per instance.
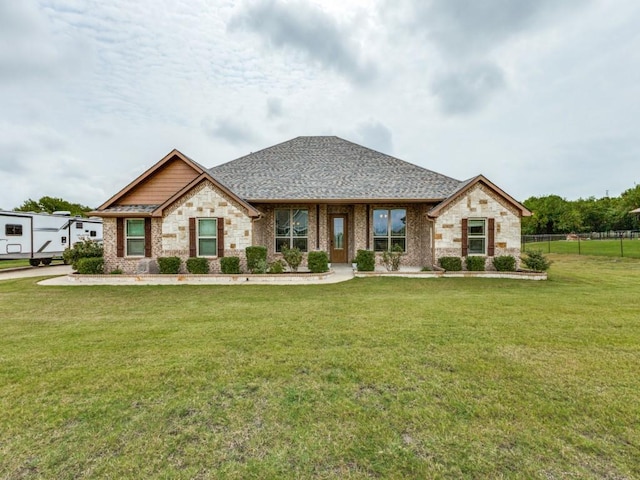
[491, 237]
[220, 237]
[147, 237]
[120, 237]
[465, 231]
[193, 251]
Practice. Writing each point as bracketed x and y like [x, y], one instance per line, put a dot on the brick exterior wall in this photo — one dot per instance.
[479, 202]
[427, 240]
[418, 229]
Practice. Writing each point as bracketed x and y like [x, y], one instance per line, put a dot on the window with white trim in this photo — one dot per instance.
[207, 231]
[134, 237]
[389, 229]
[477, 236]
[292, 228]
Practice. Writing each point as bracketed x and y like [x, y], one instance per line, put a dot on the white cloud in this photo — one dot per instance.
[536, 95]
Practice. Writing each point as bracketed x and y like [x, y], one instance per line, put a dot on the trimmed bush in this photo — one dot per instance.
[256, 258]
[198, 265]
[116, 271]
[536, 261]
[475, 264]
[230, 265]
[293, 257]
[90, 266]
[169, 265]
[276, 267]
[451, 264]
[366, 260]
[505, 263]
[318, 262]
[85, 249]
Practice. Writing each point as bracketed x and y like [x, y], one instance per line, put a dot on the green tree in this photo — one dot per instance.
[551, 214]
[52, 204]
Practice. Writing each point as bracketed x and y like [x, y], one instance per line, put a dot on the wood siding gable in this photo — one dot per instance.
[161, 185]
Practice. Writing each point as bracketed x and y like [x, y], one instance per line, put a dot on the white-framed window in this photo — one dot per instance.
[134, 237]
[207, 232]
[477, 236]
[389, 229]
[292, 228]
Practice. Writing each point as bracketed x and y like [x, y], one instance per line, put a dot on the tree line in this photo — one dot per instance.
[53, 204]
[554, 214]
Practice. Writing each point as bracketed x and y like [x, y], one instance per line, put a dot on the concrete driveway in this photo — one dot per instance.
[35, 272]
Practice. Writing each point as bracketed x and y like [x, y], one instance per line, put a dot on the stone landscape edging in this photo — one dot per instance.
[522, 275]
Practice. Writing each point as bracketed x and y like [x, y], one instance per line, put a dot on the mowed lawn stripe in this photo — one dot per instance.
[380, 377]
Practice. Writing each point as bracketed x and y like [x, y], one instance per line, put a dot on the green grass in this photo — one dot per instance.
[373, 378]
[4, 264]
[609, 248]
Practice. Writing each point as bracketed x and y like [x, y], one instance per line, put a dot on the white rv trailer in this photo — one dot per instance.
[41, 237]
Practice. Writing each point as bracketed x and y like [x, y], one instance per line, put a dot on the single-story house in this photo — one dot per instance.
[314, 193]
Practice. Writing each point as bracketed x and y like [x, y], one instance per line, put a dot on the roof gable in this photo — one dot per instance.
[329, 168]
[468, 185]
[161, 185]
[158, 183]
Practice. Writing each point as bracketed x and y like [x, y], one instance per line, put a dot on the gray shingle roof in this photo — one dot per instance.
[131, 208]
[308, 168]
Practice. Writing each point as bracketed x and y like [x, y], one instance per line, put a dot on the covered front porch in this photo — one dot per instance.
[341, 229]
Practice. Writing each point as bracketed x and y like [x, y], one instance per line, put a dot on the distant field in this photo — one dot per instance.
[609, 248]
[372, 378]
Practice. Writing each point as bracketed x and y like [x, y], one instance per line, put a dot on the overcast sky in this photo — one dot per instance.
[540, 96]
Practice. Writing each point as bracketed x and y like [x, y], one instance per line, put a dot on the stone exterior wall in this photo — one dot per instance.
[205, 201]
[479, 202]
[170, 234]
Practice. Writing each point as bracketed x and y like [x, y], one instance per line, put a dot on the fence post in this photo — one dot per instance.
[621, 247]
[579, 252]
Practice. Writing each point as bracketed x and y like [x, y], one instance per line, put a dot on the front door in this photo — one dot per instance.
[339, 239]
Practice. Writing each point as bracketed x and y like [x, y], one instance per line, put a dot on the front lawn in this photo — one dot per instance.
[373, 378]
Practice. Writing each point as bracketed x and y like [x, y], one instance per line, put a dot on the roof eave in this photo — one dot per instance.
[343, 200]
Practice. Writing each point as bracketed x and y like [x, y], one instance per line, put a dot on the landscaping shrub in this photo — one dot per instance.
[451, 264]
[366, 260]
[475, 264]
[505, 263]
[230, 265]
[84, 249]
[116, 271]
[536, 261]
[392, 259]
[169, 265]
[318, 262]
[256, 258]
[90, 265]
[293, 257]
[199, 265]
[276, 267]
[261, 267]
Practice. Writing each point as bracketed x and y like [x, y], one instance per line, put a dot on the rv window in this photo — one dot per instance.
[13, 230]
[92, 233]
[78, 225]
[63, 240]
